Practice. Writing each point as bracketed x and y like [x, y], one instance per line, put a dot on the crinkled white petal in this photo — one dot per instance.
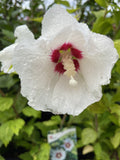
[55, 19]
[99, 59]
[36, 73]
[23, 34]
[73, 100]
[71, 34]
[6, 58]
[6, 55]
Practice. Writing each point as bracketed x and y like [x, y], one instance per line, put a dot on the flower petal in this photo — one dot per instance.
[73, 100]
[36, 73]
[71, 34]
[98, 61]
[23, 34]
[6, 58]
[55, 19]
[6, 55]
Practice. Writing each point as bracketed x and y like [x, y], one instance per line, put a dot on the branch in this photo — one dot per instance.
[2, 93]
[63, 121]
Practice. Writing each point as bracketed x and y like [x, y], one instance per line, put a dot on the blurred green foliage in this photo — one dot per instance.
[23, 131]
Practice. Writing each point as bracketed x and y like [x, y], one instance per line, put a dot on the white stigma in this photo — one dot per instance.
[69, 66]
[73, 82]
[70, 69]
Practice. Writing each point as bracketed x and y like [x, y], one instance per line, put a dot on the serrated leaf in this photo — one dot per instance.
[20, 103]
[99, 153]
[30, 112]
[16, 125]
[45, 126]
[9, 35]
[7, 81]
[6, 133]
[115, 109]
[102, 3]
[5, 103]
[97, 107]
[7, 114]
[88, 135]
[102, 25]
[115, 119]
[42, 152]
[97, 150]
[9, 128]
[23, 143]
[117, 45]
[115, 140]
[25, 156]
[29, 129]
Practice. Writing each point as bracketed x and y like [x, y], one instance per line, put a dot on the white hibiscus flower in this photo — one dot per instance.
[68, 144]
[58, 154]
[63, 70]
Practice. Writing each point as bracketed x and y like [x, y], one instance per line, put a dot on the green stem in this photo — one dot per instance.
[63, 121]
[96, 122]
[2, 93]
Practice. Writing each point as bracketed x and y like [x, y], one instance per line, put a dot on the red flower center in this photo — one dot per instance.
[67, 50]
[58, 155]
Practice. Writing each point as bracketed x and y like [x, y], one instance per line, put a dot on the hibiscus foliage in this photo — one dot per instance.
[23, 130]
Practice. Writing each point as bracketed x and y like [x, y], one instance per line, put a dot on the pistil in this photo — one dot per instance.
[67, 59]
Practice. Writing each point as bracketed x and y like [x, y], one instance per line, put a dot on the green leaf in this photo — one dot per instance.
[115, 119]
[44, 152]
[88, 136]
[25, 156]
[117, 17]
[65, 3]
[8, 129]
[45, 126]
[72, 10]
[115, 140]
[99, 14]
[102, 25]
[97, 150]
[41, 153]
[1, 158]
[30, 112]
[6, 133]
[9, 35]
[7, 114]
[20, 103]
[102, 3]
[29, 129]
[37, 19]
[87, 149]
[16, 125]
[97, 107]
[23, 143]
[99, 153]
[7, 81]
[115, 109]
[5, 103]
[117, 45]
